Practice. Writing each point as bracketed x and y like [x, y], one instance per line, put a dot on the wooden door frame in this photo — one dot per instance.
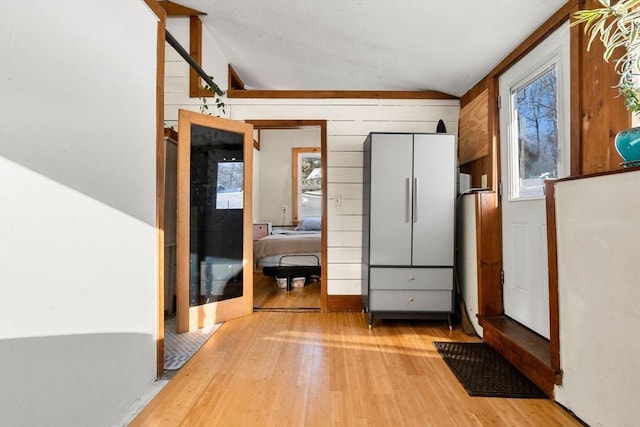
[518, 344]
[157, 9]
[295, 124]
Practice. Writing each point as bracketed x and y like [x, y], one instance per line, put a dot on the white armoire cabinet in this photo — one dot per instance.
[408, 225]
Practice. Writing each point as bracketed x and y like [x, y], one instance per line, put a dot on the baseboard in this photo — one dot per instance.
[344, 303]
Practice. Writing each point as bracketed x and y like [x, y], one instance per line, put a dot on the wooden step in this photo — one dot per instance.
[526, 350]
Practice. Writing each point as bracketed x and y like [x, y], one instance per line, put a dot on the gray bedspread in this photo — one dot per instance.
[287, 243]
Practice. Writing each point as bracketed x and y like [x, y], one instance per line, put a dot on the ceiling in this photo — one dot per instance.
[442, 45]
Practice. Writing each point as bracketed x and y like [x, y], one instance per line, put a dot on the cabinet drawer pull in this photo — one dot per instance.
[412, 278]
[410, 299]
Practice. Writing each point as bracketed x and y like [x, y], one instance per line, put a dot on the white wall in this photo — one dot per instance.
[176, 82]
[598, 234]
[274, 182]
[77, 210]
[348, 123]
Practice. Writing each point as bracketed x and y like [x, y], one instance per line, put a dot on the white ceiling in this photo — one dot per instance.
[443, 45]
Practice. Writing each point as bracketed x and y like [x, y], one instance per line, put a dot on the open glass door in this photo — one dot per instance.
[214, 220]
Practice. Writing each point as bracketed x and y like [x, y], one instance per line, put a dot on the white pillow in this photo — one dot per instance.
[311, 223]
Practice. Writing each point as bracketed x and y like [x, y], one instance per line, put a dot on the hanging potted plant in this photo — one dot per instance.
[617, 26]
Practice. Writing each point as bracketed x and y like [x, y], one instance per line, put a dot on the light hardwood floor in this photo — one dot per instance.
[329, 369]
[267, 295]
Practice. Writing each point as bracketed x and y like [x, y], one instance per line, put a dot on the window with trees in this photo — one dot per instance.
[306, 183]
[535, 127]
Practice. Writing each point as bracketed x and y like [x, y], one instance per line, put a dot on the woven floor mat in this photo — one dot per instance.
[484, 372]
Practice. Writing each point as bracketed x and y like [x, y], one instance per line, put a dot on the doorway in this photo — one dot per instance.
[534, 122]
[290, 205]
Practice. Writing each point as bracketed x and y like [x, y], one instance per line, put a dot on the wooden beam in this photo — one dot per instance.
[552, 257]
[235, 82]
[174, 9]
[332, 94]
[236, 89]
[195, 50]
[489, 246]
[284, 124]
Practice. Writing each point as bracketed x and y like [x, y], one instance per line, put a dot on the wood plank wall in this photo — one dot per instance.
[601, 112]
[348, 123]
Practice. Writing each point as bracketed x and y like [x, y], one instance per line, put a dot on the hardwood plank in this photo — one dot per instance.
[318, 369]
[267, 295]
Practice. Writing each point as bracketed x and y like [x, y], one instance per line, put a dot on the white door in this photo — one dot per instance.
[534, 130]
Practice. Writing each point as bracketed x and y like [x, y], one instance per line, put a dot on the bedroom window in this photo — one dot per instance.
[306, 183]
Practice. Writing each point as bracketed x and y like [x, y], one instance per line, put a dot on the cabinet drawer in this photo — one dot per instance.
[411, 300]
[411, 278]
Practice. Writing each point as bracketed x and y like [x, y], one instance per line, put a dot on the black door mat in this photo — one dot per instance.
[484, 372]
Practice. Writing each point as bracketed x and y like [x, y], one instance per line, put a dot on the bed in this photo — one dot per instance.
[290, 254]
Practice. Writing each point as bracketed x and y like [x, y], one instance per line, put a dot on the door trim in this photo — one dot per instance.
[160, 177]
[293, 124]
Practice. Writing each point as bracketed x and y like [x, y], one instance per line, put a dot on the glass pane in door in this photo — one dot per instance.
[216, 213]
[535, 131]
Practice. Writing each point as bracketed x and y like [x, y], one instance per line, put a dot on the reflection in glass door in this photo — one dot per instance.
[216, 215]
[214, 220]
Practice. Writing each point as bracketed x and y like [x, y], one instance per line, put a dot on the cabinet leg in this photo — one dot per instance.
[450, 321]
[370, 320]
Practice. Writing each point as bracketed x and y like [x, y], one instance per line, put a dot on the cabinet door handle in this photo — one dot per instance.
[408, 203]
[415, 199]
